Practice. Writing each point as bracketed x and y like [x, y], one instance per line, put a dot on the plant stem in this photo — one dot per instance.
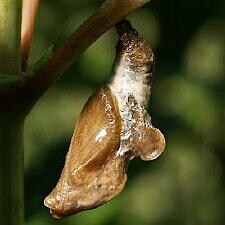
[29, 13]
[11, 125]
[10, 29]
[11, 171]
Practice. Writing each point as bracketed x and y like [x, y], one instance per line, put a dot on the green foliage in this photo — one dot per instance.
[41, 61]
[8, 79]
[186, 184]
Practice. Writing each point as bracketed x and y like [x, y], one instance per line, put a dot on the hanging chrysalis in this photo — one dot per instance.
[113, 127]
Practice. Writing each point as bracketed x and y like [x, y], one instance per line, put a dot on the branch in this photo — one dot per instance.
[29, 12]
[108, 14]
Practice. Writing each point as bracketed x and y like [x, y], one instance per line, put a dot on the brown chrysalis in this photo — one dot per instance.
[112, 128]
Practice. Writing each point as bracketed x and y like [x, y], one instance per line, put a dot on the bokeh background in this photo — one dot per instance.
[186, 185]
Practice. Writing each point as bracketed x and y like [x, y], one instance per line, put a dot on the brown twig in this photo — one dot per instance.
[29, 12]
[108, 14]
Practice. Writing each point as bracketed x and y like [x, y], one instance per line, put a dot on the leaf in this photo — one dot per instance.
[9, 79]
[41, 61]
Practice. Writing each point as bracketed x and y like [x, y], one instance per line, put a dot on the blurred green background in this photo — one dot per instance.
[186, 185]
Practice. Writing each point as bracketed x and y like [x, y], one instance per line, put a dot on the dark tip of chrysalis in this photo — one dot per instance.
[137, 50]
[124, 27]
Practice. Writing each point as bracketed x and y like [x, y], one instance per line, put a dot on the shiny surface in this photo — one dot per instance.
[113, 127]
[92, 174]
[139, 137]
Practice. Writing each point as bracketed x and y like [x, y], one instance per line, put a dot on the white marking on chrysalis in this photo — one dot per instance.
[99, 137]
[125, 83]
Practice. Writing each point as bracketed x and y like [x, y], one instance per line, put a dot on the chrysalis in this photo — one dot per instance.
[113, 127]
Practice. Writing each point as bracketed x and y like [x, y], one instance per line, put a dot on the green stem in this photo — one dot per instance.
[11, 171]
[11, 127]
[10, 32]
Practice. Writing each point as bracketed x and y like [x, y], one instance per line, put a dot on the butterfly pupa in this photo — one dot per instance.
[113, 127]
